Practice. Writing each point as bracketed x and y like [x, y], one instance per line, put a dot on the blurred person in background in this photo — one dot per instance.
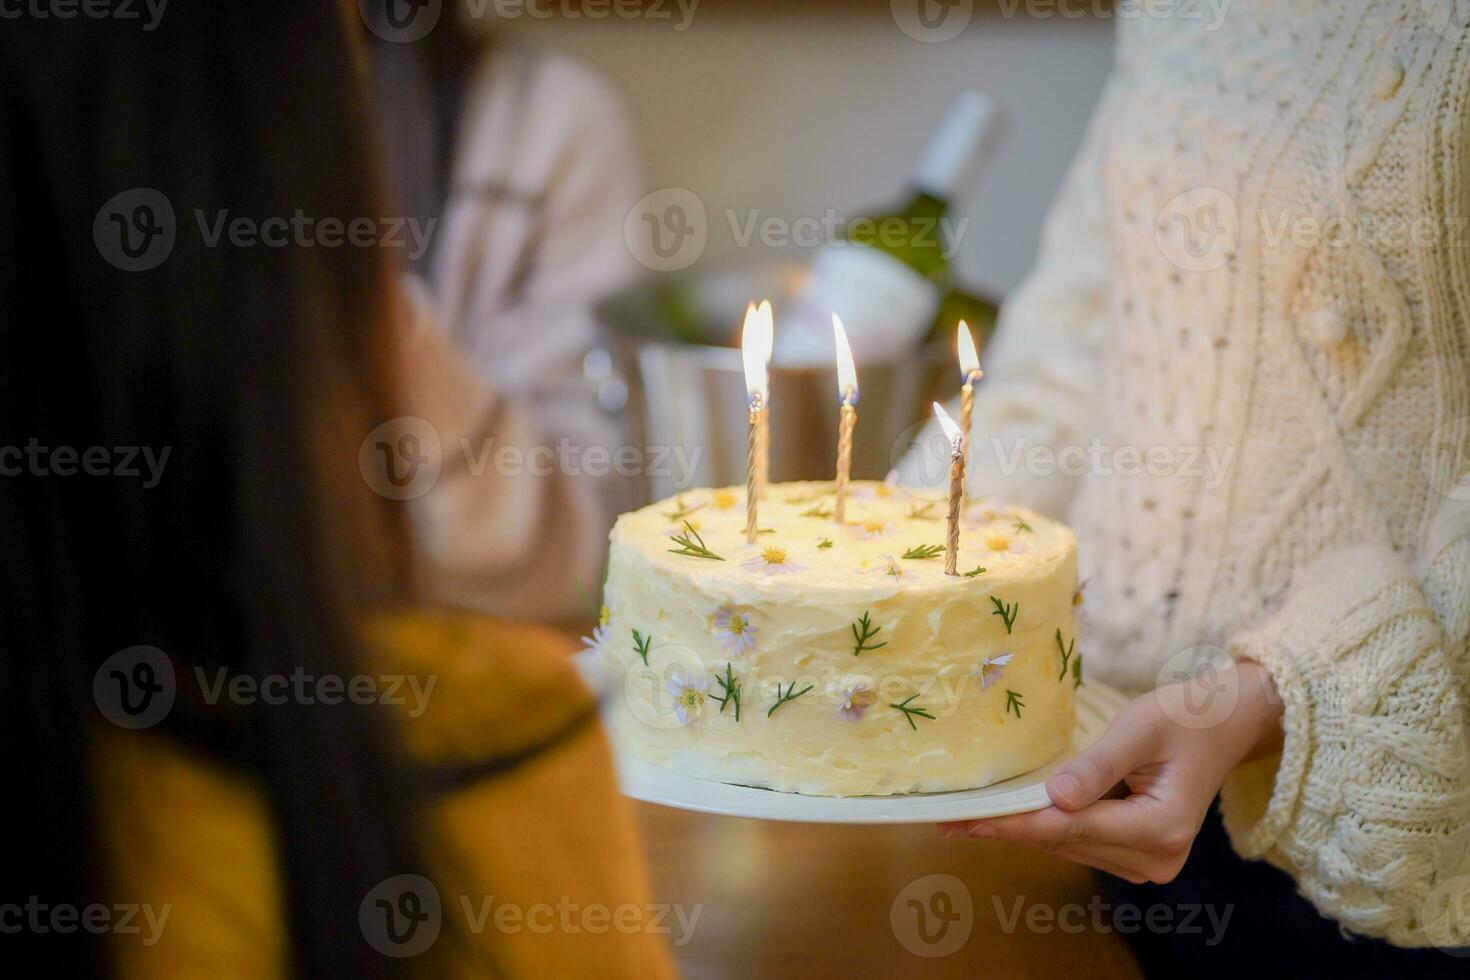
[260, 836]
[523, 163]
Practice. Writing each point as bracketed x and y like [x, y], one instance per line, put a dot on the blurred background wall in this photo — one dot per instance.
[791, 109]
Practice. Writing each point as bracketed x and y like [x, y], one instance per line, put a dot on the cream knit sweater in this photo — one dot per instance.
[1254, 294]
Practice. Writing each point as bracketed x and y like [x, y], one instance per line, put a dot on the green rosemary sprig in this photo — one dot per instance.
[1077, 672]
[691, 544]
[681, 510]
[1021, 527]
[920, 512]
[824, 543]
[731, 687]
[977, 570]
[1006, 612]
[863, 631]
[1066, 652]
[787, 696]
[816, 510]
[909, 713]
[641, 644]
[922, 551]
[1014, 703]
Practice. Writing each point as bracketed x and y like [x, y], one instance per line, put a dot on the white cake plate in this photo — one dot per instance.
[1096, 705]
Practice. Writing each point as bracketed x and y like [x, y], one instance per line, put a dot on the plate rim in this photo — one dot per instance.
[638, 780]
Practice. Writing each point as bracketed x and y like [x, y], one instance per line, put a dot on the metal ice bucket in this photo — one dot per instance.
[670, 347]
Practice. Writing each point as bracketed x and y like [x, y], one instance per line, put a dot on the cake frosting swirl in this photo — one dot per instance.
[839, 659]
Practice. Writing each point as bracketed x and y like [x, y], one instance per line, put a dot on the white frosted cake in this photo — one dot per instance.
[839, 659]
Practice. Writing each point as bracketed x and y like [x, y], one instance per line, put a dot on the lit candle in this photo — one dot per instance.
[971, 373]
[847, 393]
[956, 439]
[754, 343]
[763, 453]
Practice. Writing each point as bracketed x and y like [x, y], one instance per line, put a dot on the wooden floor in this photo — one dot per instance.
[796, 900]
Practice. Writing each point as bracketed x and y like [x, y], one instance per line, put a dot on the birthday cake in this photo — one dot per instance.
[838, 659]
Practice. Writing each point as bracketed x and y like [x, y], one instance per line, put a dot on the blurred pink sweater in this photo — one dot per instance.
[545, 172]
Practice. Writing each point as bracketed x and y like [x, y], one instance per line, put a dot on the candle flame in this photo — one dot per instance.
[847, 385]
[969, 360]
[951, 430]
[769, 316]
[755, 346]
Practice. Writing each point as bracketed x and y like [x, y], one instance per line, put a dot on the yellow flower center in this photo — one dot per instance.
[737, 623]
[774, 555]
[997, 543]
[603, 615]
[724, 499]
[690, 698]
[873, 527]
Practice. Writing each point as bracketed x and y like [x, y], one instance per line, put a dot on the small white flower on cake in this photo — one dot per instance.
[888, 565]
[868, 530]
[982, 513]
[856, 700]
[890, 487]
[597, 642]
[689, 691]
[774, 560]
[990, 670]
[735, 630]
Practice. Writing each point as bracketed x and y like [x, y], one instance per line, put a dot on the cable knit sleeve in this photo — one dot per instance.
[1041, 367]
[1368, 804]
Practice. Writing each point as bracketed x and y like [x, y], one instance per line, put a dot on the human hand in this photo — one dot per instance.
[1172, 765]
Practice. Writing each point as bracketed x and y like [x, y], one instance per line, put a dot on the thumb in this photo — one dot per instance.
[1087, 777]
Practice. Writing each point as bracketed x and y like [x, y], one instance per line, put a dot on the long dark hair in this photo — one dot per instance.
[259, 370]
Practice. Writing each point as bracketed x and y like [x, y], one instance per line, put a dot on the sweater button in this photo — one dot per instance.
[1326, 329]
[1388, 79]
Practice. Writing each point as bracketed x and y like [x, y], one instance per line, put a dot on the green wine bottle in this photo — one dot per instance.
[887, 277]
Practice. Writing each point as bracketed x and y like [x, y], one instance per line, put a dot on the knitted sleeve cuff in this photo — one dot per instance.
[1366, 799]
